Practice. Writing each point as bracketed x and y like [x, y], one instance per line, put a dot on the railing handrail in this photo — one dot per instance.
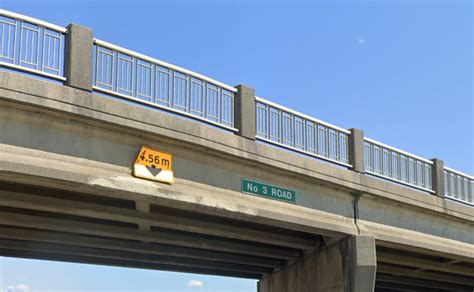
[296, 113]
[33, 20]
[459, 173]
[164, 64]
[398, 150]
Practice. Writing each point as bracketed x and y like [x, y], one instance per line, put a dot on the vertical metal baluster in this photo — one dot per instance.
[220, 102]
[408, 169]
[60, 49]
[110, 74]
[316, 140]
[153, 83]
[14, 40]
[423, 175]
[232, 108]
[26, 46]
[130, 75]
[389, 164]
[3, 43]
[118, 72]
[372, 157]
[471, 191]
[204, 100]
[305, 137]
[103, 67]
[187, 100]
[326, 140]
[48, 51]
[280, 123]
[407, 162]
[415, 172]
[36, 57]
[456, 191]
[24, 55]
[399, 167]
[96, 62]
[31, 49]
[293, 129]
[381, 162]
[171, 89]
[267, 121]
[447, 190]
[430, 169]
[43, 38]
[135, 79]
[20, 45]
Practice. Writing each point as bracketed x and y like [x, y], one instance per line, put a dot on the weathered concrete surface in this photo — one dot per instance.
[244, 110]
[69, 139]
[438, 177]
[144, 123]
[78, 61]
[347, 266]
[357, 151]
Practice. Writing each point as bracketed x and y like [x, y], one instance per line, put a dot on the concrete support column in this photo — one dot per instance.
[245, 111]
[363, 263]
[348, 266]
[78, 59]
[437, 177]
[356, 150]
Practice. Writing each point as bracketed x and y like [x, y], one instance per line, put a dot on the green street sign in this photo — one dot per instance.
[268, 191]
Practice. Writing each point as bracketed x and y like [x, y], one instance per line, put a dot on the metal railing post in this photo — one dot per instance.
[356, 150]
[437, 177]
[78, 61]
[245, 111]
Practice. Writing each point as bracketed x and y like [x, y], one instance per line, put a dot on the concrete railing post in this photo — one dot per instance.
[245, 111]
[437, 177]
[356, 150]
[78, 59]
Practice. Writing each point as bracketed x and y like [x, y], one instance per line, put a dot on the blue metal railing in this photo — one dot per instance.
[290, 129]
[131, 75]
[31, 45]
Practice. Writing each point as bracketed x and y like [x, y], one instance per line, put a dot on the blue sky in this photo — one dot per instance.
[402, 71]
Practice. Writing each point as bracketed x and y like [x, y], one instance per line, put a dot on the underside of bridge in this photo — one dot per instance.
[68, 226]
[399, 269]
[52, 224]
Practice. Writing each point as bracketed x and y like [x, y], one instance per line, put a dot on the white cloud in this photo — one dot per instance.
[195, 284]
[361, 41]
[18, 288]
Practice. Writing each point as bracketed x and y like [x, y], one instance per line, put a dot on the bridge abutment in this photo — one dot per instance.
[347, 266]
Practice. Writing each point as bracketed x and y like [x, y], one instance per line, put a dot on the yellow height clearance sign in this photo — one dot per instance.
[154, 165]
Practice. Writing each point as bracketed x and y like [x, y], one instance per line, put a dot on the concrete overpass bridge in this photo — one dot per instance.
[255, 190]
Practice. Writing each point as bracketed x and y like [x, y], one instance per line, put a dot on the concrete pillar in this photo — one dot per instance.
[362, 256]
[348, 266]
[78, 59]
[245, 111]
[356, 150]
[437, 177]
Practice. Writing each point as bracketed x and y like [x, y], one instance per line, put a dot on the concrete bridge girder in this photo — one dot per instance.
[66, 183]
